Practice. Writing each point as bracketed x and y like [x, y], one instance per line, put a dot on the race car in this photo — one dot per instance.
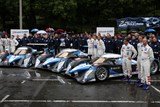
[60, 62]
[102, 68]
[44, 56]
[155, 66]
[22, 57]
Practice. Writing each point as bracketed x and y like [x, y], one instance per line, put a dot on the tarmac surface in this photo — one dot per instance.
[40, 88]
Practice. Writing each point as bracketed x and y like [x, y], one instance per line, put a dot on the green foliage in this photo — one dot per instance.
[78, 15]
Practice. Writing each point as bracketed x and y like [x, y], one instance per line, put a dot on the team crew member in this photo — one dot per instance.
[139, 49]
[155, 45]
[1, 45]
[95, 46]
[6, 43]
[126, 52]
[24, 40]
[13, 44]
[90, 45]
[100, 46]
[146, 59]
[19, 41]
[109, 43]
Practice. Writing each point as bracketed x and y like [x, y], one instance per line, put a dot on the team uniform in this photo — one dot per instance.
[126, 53]
[1, 45]
[109, 45]
[24, 41]
[139, 49]
[100, 48]
[95, 48]
[13, 44]
[147, 57]
[7, 44]
[90, 46]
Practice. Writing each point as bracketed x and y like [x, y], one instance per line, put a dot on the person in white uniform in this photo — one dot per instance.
[139, 49]
[1, 45]
[6, 41]
[95, 46]
[100, 46]
[147, 58]
[128, 52]
[90, 45]
[13, 44]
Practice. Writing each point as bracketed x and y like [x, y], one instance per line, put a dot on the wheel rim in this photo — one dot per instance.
[154, 68]
[101, 74]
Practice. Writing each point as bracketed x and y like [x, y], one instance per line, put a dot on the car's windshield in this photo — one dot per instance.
[100, 60]
[20, 51]
[63, 55]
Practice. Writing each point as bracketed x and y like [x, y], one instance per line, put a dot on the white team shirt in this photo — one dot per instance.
[128, 50]
[139, 49]
[147, 53]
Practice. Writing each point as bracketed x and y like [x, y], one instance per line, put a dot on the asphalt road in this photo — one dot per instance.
[39, 88]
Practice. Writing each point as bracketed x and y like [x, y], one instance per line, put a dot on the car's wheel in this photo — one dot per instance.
[101, 74]
[154, 67]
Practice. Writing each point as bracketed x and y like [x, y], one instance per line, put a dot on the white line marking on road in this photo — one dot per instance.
[69, 83]
[133, 80]
[4, 98]
[54, 80]
[23, 81]
[45, 80]
[78, 101]
[155, 89]
[60, 80]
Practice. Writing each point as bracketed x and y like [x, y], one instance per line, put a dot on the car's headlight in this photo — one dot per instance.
[26, 61]
[37, 62]
[69, 67]
[60, 65]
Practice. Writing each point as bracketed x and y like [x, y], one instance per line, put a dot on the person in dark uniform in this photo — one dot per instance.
[30, 38]
[36, 39]
[75, 42]
[46, 40]
[83, 43]
[134, 42]
[57, 43]
[51, 43]
[67, 42]
[19, 41]
[116, 45]
[24, 40]
[109, 43]
[155, 45]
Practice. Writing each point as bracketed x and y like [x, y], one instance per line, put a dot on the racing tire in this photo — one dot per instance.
[154, 67]
[101, 74]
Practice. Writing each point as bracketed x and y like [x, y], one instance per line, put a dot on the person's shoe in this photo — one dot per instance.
[145, 87]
